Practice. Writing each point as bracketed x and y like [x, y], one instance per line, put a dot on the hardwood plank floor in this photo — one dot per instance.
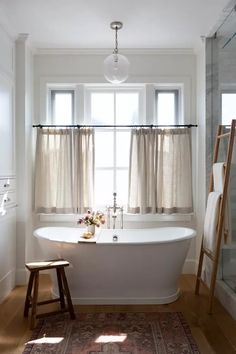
[214, 333]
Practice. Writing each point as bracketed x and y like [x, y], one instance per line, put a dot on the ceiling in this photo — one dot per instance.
[86, 23]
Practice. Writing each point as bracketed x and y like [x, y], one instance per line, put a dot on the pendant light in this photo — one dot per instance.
[116, 66]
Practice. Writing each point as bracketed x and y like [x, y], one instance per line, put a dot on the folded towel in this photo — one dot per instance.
[218, 176]
[211, 220]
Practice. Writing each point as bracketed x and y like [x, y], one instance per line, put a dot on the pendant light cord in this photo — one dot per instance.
[116, 41]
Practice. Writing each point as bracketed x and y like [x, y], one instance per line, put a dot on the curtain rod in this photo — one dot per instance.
[115, 126]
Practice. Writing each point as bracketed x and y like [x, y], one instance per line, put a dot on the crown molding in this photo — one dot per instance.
[22, 37]
[105, 51]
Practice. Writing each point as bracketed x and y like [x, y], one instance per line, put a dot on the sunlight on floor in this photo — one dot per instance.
[111, 338]
[47, 340]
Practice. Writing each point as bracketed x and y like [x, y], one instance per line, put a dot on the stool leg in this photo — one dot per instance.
[34, 300]
[67, 293]
[60, 288]
[28, 295]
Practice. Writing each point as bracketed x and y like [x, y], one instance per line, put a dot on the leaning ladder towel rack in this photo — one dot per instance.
[214, 256]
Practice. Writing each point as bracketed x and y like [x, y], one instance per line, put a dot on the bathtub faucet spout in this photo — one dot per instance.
[114, 211]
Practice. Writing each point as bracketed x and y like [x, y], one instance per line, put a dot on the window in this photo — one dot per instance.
[228, 107]
[167, 107]
[62, 106]
[112, 107]
[118, 106]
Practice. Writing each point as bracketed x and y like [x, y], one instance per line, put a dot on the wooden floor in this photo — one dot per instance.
[214, 333]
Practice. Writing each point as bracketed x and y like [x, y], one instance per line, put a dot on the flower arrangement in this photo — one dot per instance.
[92, 218]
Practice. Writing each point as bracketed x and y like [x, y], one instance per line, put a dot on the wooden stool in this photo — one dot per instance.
[32, 301]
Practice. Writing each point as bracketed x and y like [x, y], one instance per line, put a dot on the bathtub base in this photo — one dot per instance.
[125, 301]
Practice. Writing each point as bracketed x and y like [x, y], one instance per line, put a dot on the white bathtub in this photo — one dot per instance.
[142, 267]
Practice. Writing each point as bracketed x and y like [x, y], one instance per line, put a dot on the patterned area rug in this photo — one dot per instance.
[113, 333]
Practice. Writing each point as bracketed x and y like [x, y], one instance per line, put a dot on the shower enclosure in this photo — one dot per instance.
[228, 253]
[221, 109]
[227, 94]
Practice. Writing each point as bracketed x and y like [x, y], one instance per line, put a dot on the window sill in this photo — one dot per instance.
[127, 217]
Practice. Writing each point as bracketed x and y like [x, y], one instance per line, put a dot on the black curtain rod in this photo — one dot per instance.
[115, 126]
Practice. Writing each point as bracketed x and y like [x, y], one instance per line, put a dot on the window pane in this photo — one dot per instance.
[123, 146]
[127, 106]
[122, 187]
[62, 107]
[103, 187]
[104, 149]
[228, 107]
[166, 108]
[102, 108]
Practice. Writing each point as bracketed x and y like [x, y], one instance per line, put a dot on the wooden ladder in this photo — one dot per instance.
[214, 256]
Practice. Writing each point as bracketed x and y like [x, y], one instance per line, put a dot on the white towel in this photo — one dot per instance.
[211, 220]
[218, 176]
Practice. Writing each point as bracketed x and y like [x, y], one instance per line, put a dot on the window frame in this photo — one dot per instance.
[177, 97]
[148, 116]
[52, 91]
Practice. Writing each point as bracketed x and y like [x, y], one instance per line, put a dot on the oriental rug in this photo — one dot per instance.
[113, 333]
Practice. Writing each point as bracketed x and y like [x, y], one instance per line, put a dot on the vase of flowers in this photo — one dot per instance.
[92, 219]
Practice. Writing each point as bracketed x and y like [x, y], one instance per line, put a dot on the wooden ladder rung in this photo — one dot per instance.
[210, 255]
[223, 135]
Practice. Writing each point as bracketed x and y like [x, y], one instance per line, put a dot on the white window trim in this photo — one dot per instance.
[146, 83]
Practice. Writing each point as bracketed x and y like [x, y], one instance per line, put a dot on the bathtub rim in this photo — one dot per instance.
[95, 240]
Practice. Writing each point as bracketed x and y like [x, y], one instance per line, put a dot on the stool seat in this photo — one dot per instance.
[33, 285]
[44, 265]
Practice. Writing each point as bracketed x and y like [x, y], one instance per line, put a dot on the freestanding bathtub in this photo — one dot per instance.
[141, 266]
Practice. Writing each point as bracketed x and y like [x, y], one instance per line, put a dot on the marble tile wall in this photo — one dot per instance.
[212, 101]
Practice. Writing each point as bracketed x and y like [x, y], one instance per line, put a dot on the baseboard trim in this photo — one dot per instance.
[7, 283]
[21, 276]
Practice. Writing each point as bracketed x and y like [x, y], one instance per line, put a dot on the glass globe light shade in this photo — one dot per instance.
[116, 68]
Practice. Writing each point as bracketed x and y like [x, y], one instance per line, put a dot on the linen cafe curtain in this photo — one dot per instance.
[160, 171]
[64, 170]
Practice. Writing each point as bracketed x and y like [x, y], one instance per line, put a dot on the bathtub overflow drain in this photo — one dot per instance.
[115, 238]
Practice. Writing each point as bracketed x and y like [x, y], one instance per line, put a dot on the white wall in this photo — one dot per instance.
[24, 113]
[7, 165]
[163, 66]
[201, 142]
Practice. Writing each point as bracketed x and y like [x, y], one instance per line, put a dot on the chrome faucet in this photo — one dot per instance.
[112, 212]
